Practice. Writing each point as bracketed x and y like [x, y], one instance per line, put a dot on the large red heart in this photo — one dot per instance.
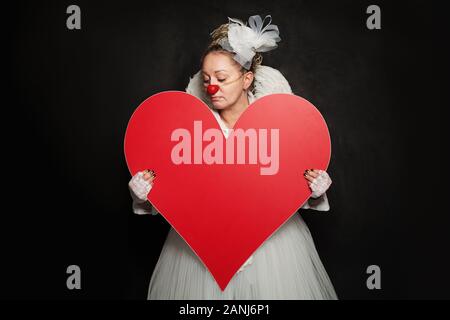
[224, 212]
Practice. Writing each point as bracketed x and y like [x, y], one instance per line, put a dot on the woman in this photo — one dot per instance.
[286, 265]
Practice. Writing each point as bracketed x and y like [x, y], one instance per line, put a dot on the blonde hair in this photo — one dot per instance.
[220, 33]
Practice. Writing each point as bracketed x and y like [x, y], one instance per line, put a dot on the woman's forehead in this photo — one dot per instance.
[204, 71]
[216, 63]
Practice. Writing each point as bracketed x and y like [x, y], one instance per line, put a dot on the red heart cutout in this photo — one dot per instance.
[224, 212]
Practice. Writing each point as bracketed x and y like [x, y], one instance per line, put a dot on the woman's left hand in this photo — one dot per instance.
[319, 181]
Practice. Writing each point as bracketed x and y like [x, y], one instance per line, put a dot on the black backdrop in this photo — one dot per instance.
[70, 94]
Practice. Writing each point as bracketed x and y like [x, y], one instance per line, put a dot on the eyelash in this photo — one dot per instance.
[221, 80]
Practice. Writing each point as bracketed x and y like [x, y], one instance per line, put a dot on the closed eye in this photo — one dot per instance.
[221, 80]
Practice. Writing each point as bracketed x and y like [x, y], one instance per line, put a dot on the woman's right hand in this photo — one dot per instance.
[141, 184]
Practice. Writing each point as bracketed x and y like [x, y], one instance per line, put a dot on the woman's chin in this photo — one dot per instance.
[218, 105]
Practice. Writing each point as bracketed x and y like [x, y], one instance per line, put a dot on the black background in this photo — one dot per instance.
[69, 96]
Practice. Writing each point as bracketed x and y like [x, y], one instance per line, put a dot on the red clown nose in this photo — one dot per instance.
[213, 88]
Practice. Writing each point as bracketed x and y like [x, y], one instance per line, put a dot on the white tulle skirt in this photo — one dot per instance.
[285, 266]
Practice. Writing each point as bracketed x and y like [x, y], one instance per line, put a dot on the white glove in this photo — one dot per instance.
[320, 184]
[139, 187]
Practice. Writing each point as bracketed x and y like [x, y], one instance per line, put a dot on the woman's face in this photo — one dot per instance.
[220, 69]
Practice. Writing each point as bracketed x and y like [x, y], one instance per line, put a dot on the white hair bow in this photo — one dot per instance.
[246, 41]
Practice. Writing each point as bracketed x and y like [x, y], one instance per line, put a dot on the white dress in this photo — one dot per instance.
[285, 266]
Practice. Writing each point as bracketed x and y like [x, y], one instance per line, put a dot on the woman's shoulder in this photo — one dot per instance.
[269, 80]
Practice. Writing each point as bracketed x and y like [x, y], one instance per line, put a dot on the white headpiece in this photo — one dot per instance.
[246, 41]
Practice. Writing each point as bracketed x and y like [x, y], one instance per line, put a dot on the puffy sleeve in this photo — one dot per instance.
[142, 207]
[319, 204]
